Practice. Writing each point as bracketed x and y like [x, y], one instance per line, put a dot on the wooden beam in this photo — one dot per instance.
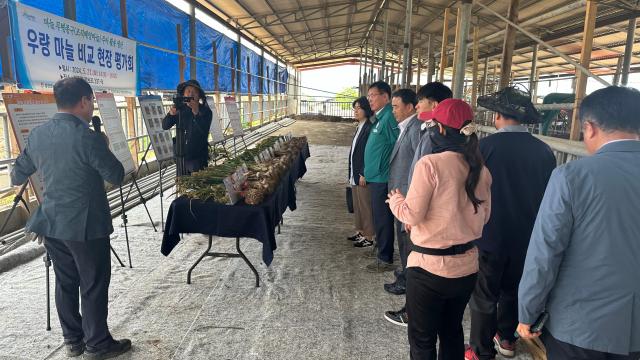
[445, 42]
[585, 58]
[181, 63]
[123, 18]
[509, 45]
[455, 48]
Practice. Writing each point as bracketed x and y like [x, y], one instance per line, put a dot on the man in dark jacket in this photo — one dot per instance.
[196, 121]
[520, 165]
[74, 216]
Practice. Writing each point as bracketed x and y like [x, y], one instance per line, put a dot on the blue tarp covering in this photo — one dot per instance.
[55, 7]
[283, 76]
[154, 22]
[100, 14]
[206, 36]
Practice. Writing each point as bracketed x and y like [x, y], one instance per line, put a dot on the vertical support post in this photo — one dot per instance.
[431, 65]
[419, 69]
[464, 19]
[192, 42]
[373, 57]
[616, 76]
[216, 73]
[445, 44]
[232, 62]
[365, 76]
[509, 45]
[250, 107]
[585, 59]
[261, 87]
[360, 74]
[238, 62]
[384, 45]
[476, 53]
[628, 51]
[455, 45]
[131, 125]
[534, 68]
[123, 18]
[485, 71]
[406, 61]
[181, 63]
[70, 9]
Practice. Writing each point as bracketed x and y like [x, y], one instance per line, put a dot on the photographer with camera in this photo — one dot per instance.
[192, 116]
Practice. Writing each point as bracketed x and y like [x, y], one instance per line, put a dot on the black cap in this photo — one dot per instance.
[513, 103]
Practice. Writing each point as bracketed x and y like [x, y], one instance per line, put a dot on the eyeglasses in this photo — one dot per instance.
[373, 95]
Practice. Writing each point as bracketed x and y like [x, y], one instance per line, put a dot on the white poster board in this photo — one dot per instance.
[234, 115]
[153, 113]
[113, 128]
[48, 48]
[216, 126]
[27, 111]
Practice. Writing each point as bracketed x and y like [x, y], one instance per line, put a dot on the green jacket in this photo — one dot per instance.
[377, 153]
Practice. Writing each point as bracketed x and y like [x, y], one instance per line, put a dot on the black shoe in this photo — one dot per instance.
[363, 242]
[355, 237]
[379, 266]
[118, 347]
[74, 350]
[397, 317]
[395, 289]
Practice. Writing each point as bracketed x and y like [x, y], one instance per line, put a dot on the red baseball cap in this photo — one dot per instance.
[450, 112]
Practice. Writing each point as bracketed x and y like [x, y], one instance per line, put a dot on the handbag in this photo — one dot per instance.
[349, 196]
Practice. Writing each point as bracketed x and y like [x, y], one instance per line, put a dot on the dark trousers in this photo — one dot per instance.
[83, 270]
[494, 303]
[193, 165]
[403, 248]
[435, 306]
[382, 220]
[558, 350]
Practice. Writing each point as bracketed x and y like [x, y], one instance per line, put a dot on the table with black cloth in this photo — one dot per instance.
[235, 221]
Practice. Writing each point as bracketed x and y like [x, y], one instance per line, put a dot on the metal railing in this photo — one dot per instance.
[330, 108]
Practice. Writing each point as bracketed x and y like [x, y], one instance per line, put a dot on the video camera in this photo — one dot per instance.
[180, 101]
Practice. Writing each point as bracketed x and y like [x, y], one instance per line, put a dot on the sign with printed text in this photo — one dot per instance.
[27, 111]
[153, 113]
[234, 115]
[113, 128]
[215, 129]
[48, 48]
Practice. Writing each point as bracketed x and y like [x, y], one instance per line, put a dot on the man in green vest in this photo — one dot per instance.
[377, 154]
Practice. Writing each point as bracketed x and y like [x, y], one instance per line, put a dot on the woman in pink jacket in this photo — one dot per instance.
[446, 206]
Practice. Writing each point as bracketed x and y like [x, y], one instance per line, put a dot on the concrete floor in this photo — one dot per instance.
[315, 301]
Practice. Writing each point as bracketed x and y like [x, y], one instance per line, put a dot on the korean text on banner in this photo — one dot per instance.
[234, 115]
[26, 112]
[48, 48]
[113, 128]
[153, 113]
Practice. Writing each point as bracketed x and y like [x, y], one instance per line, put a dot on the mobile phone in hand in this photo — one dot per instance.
[537, 325]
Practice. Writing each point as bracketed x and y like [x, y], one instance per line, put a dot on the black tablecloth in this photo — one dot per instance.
[240, 220]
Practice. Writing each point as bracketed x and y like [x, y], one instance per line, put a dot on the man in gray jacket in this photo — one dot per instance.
[584, 254]
[403, 102]
[74, 216]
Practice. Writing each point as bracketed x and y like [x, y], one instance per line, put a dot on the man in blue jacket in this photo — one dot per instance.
[74, 216]
[584, 255]
[377, 155]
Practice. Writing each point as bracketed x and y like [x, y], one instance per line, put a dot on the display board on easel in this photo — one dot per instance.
[27, 111]
[113, 128]
[216, 127]
[234, 116]
[152, 113]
